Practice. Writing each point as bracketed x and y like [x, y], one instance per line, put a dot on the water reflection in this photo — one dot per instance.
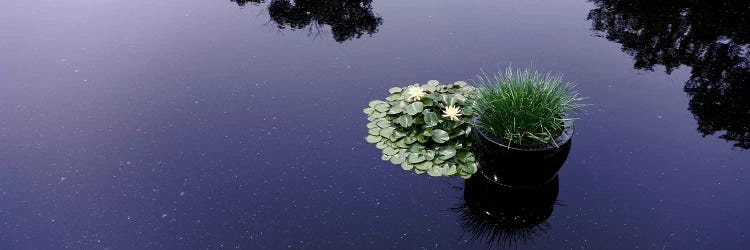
[712, 37]
[348, 19]
[504, 217]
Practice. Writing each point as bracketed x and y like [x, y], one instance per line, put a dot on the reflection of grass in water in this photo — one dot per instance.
[497, 231]
[505, 217]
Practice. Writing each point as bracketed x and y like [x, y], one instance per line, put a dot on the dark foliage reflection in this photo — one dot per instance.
[711, 37]
[348, 19]
[501, 216]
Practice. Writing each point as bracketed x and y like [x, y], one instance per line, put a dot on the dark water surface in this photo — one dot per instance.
[202, 124]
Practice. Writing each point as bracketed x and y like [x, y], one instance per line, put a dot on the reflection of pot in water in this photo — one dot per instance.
[501, 215]
[521, 166]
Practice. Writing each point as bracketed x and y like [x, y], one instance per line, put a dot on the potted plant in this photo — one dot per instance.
[425, 128]
[522, 129]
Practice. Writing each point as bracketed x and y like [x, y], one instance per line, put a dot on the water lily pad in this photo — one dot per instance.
[406, 166]
[446, 152]
[390, 151]
[415, 158]
[405, 121]
[375, 102]
[383, 123]
[374, 131]
[398, 158]
[397, 135]
[430, 119]
[449, 170]
[373, 139]
[448, 100]
[440, 136]
[414, 108]
[382, 107]
[386, 132]
[424, 166]
[408, 131]
[385, 157]
[435, 171]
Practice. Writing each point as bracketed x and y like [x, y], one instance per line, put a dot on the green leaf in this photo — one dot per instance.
[368, 110]
[421, 138]
[429, 88]
[394, 110]
[372, 125]
[382, 107]
[401, 144]
[433, 83]
[409, 139]
[385, 157]
[374, 131]
[381, 145]
[430, 119]
[400, 104]
[460, 98]
[434, 172]
[446, 152]
[438, 161]
[405, 121]
[448, 100]
[383, 123]
[427, 132]
[456, 133]
[416, 148]
[397, 135]
[386, 132]
[429, 155]
[440, 136]
[473, 167]
[469, 158]
[450, 170]
[415, 158]
[373, 139]
[414, 108]
[470, 168]
[390, 151]
[394, 90]
[424, 165]
[406, 166]
[427, 101]
[375, 102]
[398, 158]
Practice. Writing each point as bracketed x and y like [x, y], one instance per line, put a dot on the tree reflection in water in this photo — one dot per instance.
[711, 37]
[348, 19]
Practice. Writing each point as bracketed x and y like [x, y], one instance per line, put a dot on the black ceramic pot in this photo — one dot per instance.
[502, 215]
[521, 167]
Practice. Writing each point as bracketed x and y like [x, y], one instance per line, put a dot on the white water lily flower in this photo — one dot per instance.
[452, 112]
[416, 93]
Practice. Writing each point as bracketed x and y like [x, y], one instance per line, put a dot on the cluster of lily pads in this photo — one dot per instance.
[425, 128]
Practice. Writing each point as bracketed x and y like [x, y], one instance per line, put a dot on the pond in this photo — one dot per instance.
[218, 124]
